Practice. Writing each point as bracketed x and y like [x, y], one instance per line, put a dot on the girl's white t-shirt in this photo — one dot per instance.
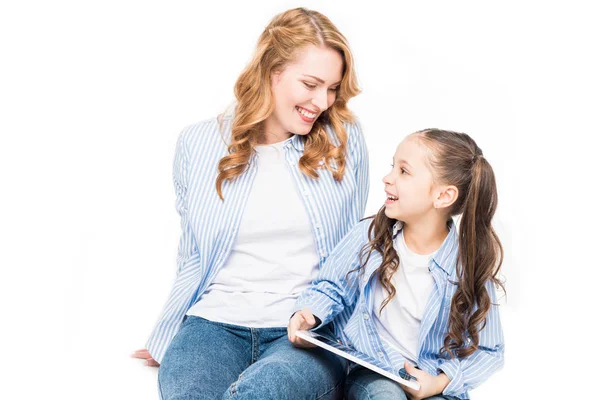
[274, 256]
[400, 320]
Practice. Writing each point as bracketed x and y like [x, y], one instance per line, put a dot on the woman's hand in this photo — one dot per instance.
[144, 354]
[430, 385]
[301, 321]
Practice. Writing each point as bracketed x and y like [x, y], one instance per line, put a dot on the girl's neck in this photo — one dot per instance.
[425, 237]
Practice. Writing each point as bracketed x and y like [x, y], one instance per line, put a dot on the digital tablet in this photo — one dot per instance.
[329, 343]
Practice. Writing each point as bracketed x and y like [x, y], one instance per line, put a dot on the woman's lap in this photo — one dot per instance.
[202, 361]
[286, 372]
[208, 360]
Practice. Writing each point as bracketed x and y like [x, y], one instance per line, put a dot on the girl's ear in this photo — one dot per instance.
[446, 196]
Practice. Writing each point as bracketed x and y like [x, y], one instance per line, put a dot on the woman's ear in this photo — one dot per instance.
[446, 196]
[275, 77]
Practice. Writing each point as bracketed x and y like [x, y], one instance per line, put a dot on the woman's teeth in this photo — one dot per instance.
[305, 113]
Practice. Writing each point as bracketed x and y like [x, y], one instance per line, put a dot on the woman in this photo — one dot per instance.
[264, 196]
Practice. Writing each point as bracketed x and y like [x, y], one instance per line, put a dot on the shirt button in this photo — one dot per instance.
[380, 354]
[305, 193]
[323, 253]
[366, 316]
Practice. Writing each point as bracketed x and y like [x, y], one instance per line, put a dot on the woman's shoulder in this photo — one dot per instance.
[216, 129]
[353, 130]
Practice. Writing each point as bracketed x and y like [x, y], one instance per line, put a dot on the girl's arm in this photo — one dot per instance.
[469, 372]
[332, 291]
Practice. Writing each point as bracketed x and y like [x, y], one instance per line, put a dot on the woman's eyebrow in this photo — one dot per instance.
[320, 80]
[314, 77]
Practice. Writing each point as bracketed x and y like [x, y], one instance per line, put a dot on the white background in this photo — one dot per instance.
[94, 94]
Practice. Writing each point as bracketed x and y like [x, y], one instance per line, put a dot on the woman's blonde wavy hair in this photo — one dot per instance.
[277, 46]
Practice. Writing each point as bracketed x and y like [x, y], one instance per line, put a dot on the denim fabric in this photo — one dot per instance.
[212, 360]
[364, 384]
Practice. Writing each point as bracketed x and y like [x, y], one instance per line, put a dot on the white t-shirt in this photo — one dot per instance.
[274, 256]
[400, 320]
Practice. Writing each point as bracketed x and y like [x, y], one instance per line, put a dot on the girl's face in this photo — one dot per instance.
[409, 186]
[303, 90]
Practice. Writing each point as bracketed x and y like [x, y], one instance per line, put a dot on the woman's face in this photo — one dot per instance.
[303, 90]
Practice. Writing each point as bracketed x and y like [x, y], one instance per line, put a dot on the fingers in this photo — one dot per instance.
[142, 353]
[412, 370]
[297, 323]
[152, 363]
[308, 318]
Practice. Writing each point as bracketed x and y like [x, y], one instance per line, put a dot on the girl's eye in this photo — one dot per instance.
[392, 165]
[403, 171]
[334, 89]
[308, 85]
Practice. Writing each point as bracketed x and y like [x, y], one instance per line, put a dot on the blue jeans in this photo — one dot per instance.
[363, 384]
[212, 360]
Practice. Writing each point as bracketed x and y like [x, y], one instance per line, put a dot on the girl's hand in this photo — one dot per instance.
[430, 385]
[144, 354]
[301, 321]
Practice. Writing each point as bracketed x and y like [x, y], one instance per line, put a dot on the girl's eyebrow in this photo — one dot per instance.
[320, 80]
[402, 161]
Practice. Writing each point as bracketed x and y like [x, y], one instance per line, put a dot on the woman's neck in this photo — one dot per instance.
[272, 133]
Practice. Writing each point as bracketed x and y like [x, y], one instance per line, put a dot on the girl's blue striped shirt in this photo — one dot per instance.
[347, 300]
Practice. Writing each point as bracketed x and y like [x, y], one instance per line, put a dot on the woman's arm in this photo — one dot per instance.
[188, 258]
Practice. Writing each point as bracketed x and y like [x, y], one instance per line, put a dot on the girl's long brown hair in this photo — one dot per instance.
[456, 160]
[278, 45]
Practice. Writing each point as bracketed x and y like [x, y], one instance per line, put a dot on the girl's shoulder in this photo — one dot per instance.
[360, 230]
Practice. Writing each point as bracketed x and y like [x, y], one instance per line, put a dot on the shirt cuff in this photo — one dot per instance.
[452, 370]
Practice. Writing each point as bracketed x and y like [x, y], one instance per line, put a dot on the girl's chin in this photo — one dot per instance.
[391, 214]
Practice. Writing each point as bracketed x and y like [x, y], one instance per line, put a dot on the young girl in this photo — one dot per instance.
[408, 287]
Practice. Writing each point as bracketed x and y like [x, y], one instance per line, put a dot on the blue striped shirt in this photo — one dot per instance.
[348, 302]
[210, 225]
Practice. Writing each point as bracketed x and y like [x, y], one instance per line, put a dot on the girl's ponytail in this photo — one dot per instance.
[479, 260]
[457, 160]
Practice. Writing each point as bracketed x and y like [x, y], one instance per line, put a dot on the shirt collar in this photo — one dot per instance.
[298, 142]
[445, 257]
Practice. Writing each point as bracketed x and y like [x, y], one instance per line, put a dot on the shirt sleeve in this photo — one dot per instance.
[335, 289]
[187, 244]
[359, 153]
[467, 373]
[188, 259]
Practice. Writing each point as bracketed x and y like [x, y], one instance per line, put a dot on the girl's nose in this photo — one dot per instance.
[387, 179]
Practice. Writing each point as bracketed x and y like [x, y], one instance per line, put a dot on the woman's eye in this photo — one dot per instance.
[308, 85]
[403, 171]
[334, 89]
